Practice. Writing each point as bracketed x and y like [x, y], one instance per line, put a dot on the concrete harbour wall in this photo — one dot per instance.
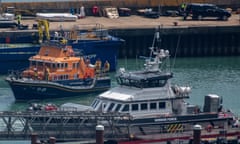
[185, 42]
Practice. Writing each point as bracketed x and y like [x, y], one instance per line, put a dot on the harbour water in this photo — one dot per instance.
[205, 75]
[218, 75]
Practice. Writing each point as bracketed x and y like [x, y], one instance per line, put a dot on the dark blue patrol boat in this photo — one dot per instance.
[95, 44]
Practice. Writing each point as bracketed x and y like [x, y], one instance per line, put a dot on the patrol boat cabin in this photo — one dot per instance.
[144, 93]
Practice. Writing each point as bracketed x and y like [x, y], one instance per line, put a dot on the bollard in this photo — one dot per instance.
[33, 138]
[175, 23]
[99, 134]
[52, 140]
[197, 134]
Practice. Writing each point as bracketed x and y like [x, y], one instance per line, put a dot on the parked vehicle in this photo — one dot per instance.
[148, 13]
[151, 14]
[199, 11]
[124, 12]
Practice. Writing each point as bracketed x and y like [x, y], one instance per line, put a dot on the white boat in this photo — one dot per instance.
[149, 97]
[111, 12]
[7, 17]
[57, 16]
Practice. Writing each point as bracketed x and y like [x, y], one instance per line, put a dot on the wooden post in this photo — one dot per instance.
[34, 138]
[99, 134]
[197, 134]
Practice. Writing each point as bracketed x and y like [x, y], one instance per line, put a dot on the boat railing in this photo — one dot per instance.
[15, 74]
[97, 30]
[88, 26]
[55, 43]
[58, 84]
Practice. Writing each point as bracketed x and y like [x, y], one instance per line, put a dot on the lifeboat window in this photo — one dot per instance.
[33, 63]
[65, 65]
[135, 107]
[74, 65]
[53, 65]
[153, 106]
[161, 105]
[118, 107]
[47, 65]
[58, 65]
[40, 64]
[65, 76]
[125, 108]
[62, 65]
[111, 106]
[144, 106]
[75, 76]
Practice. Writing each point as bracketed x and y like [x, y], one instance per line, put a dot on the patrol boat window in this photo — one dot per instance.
[118, 107]
[95, 103]
[141, 83]
[111, 106]
[161, 105]
[135, 107]
[153, 106]
[144, 106]
[125, 108]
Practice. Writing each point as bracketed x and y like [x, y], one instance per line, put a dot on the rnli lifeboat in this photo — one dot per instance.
[56, 72]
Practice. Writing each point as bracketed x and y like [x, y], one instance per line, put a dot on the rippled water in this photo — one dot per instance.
[216, 75]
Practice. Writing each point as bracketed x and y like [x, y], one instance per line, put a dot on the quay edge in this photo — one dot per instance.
[61, 6]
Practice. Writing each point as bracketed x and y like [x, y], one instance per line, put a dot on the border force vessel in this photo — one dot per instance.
[149, 97]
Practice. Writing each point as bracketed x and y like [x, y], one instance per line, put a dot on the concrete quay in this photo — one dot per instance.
[139, 22]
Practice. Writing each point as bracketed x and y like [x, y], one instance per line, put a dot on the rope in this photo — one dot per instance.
[175, 55]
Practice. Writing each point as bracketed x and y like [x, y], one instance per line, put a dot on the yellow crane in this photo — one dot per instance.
[43, 28]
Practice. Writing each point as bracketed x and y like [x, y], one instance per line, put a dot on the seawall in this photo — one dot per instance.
[185, 42]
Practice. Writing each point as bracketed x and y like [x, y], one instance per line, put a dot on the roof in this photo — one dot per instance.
[54, 59]
[125, 93]
[143, 76]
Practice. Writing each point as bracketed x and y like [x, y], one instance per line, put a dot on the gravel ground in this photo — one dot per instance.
[135, 21]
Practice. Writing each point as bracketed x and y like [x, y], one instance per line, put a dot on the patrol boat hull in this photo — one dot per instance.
[35, 89]
[15, 56]
[188, 118]
[94, 45]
